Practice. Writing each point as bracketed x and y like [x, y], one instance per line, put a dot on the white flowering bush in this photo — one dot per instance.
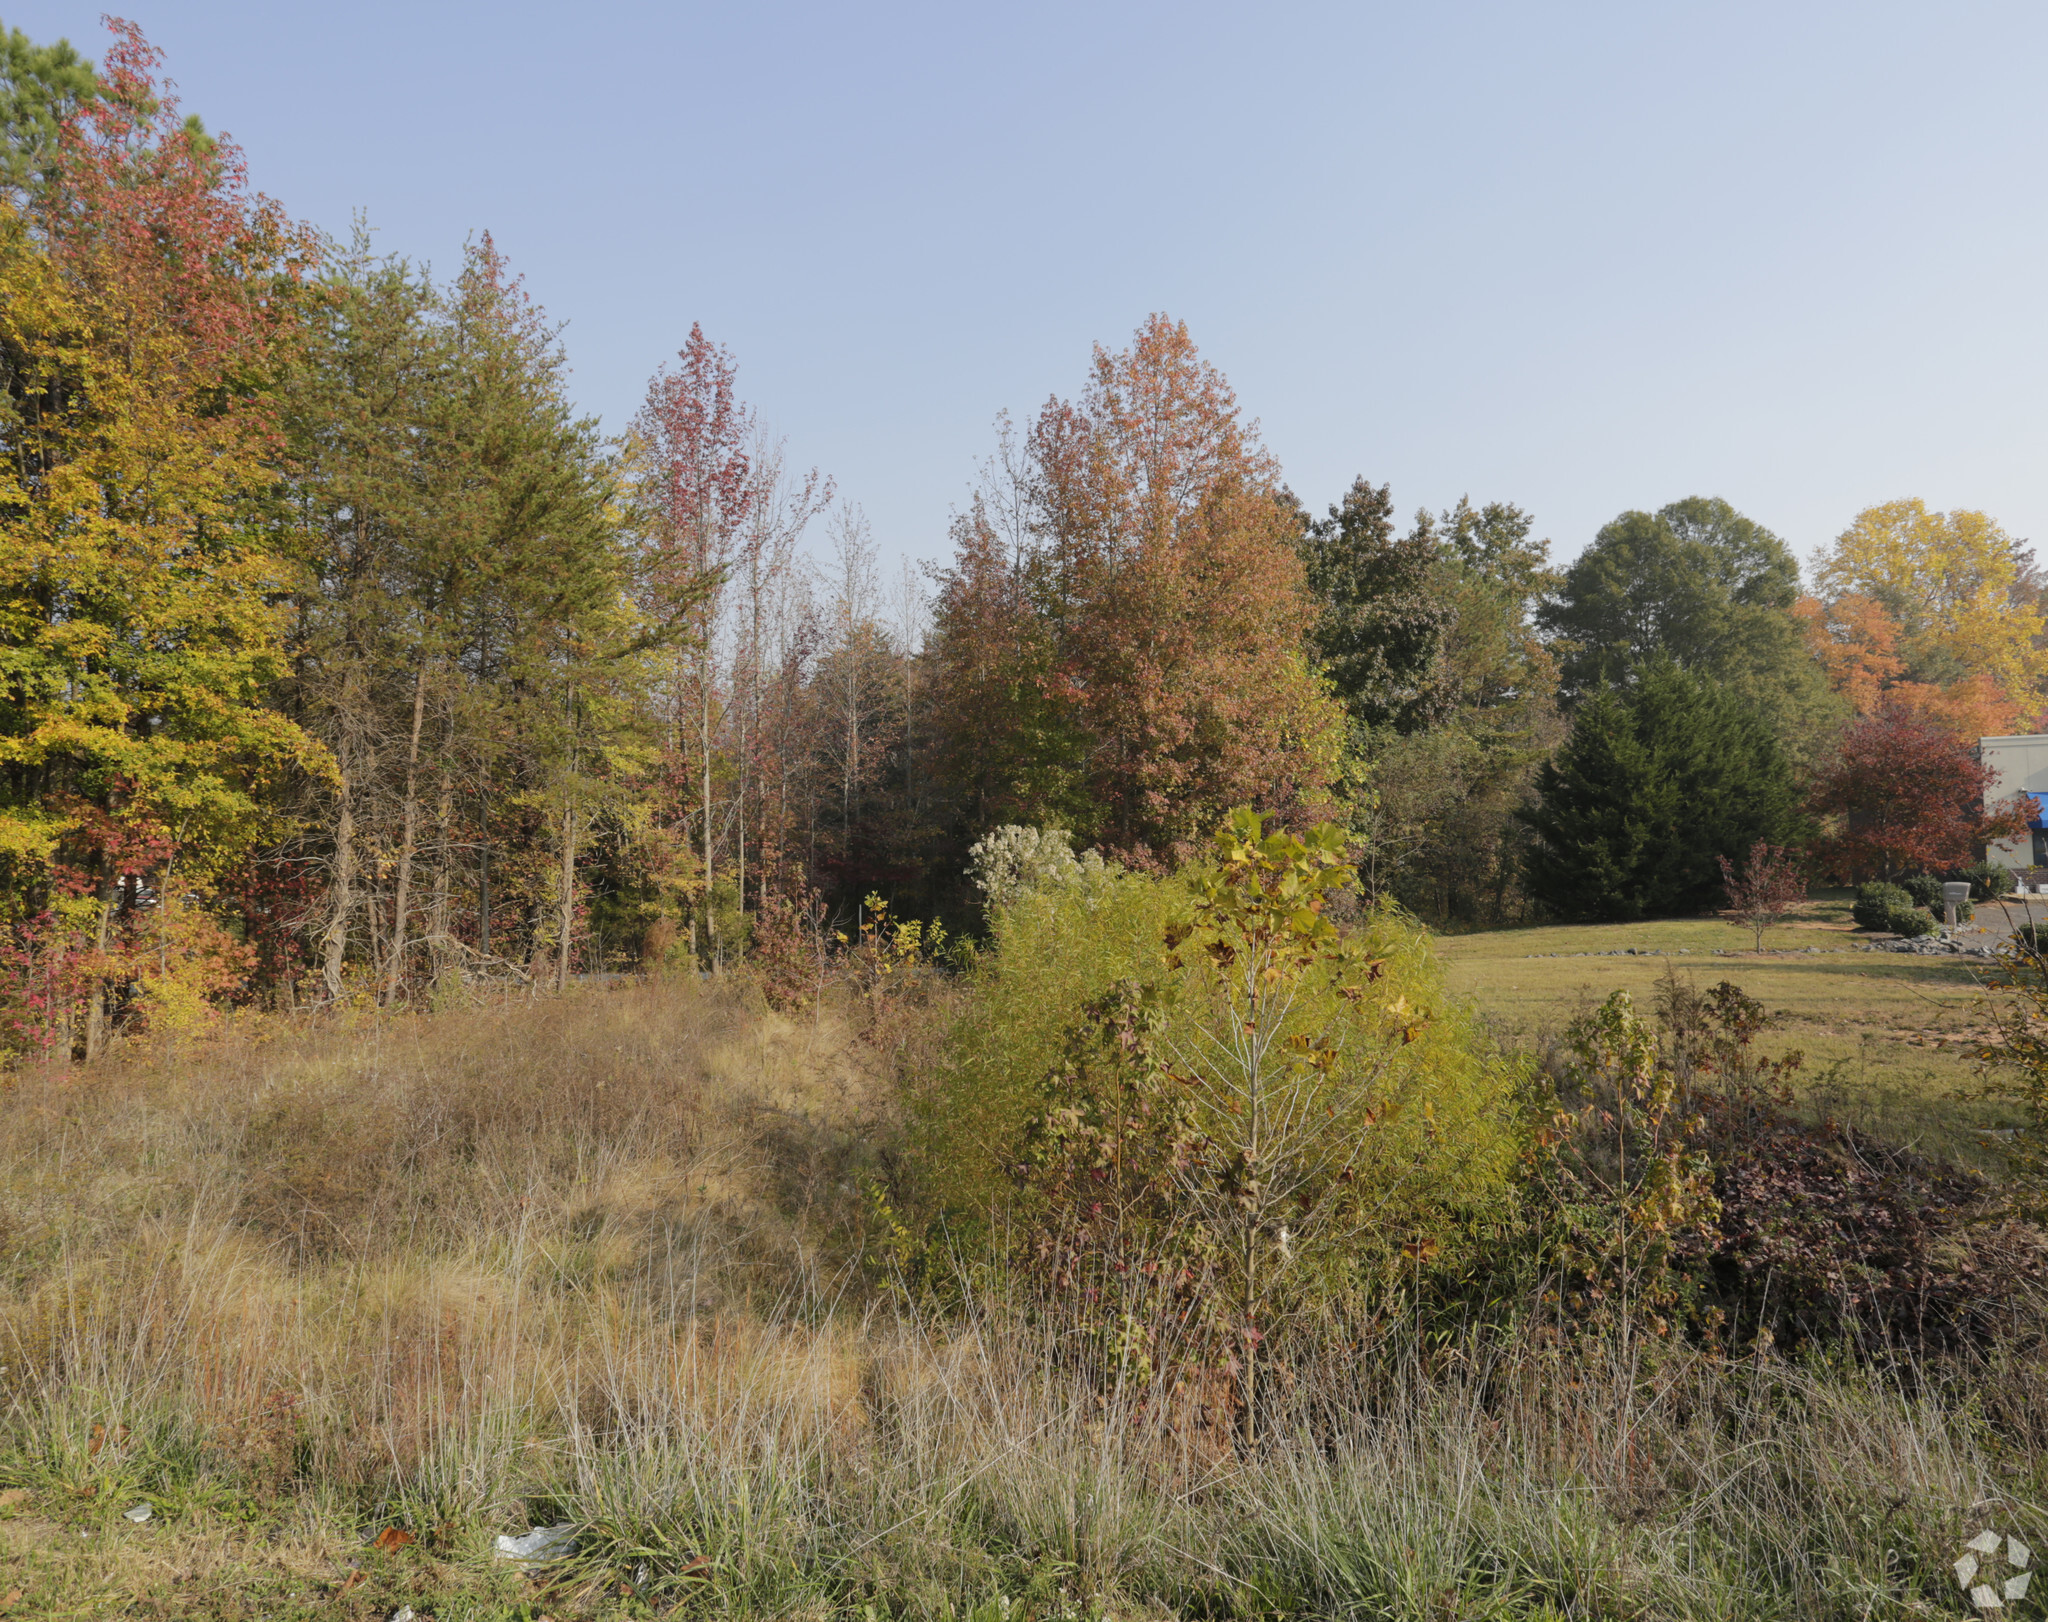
[1013, 861]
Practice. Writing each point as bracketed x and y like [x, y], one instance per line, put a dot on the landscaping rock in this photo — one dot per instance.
[1933, 946]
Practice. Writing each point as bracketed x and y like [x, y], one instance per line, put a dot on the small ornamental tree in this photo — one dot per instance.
[1209, 1151]
[1769, 884]
[1909, 794]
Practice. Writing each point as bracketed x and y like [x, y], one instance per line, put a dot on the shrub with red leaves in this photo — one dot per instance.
[1827, 1233]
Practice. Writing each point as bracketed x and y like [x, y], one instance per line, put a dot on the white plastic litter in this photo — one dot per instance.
[542, 1543]
[139, 1514]
[403, 1614]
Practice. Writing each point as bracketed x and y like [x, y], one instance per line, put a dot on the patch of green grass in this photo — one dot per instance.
[298, 1564]
[1889, 1040]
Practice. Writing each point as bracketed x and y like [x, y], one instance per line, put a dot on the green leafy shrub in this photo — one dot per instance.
[1924, 888]
[1436, 1140]
[1891, 908]
[1911, 922]
[1987, 882]
[1047, 955]
[1875, 903]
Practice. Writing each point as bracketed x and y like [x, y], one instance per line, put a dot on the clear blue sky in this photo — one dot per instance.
[1581, 257]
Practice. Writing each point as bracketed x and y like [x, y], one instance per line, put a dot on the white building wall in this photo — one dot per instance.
[2019, 765]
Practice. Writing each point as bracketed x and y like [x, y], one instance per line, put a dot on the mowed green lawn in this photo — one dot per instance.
[1889, 1041]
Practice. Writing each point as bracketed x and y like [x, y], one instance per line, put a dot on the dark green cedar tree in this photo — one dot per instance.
[1655, 782]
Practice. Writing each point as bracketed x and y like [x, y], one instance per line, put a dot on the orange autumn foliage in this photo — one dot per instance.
[1129, 652]
[1857, 644]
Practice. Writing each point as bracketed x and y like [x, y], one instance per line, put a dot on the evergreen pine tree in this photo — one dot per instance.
[1655, 784]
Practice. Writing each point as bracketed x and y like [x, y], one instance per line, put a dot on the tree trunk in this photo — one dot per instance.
[483, 874]
[740, 818]
[402, 896]
[1249, 1380]
[96, 1004]
[341, 903]
[704, 742]
[373, 917]
[437, 920]
[568, 915]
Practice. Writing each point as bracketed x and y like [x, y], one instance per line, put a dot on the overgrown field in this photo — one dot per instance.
[342, 1302]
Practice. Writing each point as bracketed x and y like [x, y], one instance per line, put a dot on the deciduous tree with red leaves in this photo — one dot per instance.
[1118, 642]
[144, 296]
[1909, 796]
[1769, 884]
[693, 435]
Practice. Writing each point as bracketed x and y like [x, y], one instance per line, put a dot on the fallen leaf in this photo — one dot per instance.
[354, 1577]
[392, 1538]
[12, 1496]
[7, 1600]
[101, 1436]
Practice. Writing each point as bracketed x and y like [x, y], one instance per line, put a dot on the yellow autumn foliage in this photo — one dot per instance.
[1952, 583]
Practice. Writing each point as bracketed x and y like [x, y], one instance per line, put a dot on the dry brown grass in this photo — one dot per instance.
[340, 1236]
[589, 1261]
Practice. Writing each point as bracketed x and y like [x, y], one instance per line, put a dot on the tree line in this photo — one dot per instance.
[345, 660]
